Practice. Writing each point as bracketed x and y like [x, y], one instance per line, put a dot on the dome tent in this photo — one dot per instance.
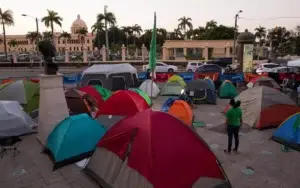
[227, 90]
[201, 91]
[73, 139]
[173, 87]
[142, 94]
[146, 87]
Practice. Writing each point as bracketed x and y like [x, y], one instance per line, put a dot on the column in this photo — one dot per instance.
[123, 53]
[136, 53]
[227, 51]
[184, 51]
[165, 53]
[175, 50]
[103, 50]
[14, 55]
[144, 50]
[85, 57]
[206, 53]
[67, 59]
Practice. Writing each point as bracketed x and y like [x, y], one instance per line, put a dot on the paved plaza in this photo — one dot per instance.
[261, 163]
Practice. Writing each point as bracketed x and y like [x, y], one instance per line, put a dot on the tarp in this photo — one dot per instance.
[227, 90]
[79, 102]
[181, 110]
[105, 93]
[288, 133]
[146, 87]
[14, 121]
[71, 79]
[73, 139]
[154, 149]
[173, 88]
[24, 92]
[265, 107]
[263, 81]
[142, 94]
[93, 92]
[201, 90]
[233, 77]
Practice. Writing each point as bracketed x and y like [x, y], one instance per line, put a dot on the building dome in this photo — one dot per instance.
[245, 37]
[77, 24]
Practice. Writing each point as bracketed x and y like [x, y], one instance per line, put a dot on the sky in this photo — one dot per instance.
[130, 12]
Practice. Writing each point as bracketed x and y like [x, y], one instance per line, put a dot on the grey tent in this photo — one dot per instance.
[109, 120]
[201, 90]
[14, 121]
[263, 81]
[111, 76]
[172, 89]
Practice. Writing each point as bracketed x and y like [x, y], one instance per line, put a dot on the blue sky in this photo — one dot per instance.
[130, 12]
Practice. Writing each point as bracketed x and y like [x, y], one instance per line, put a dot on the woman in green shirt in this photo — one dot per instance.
[233, 124]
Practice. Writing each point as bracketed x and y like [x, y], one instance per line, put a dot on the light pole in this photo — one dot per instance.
[235, 35]
[37, 24]
[106, 31]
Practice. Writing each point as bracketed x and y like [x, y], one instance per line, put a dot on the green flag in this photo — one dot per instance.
[152, 54]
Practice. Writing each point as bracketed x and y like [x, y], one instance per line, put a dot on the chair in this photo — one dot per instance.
[9, 144]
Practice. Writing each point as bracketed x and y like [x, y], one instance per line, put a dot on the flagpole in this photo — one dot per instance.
[152, 55]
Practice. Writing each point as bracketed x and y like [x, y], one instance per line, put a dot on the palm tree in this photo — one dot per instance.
[66, 36]
[6, 18]
[108, 18]
[47, 35]
[13, 43]
[82, 32]
[33, 36]
[51, 19]
[185, 22]
[97, 27]
[128, 32]
[211, 24]
[260, 33]
[136, 29]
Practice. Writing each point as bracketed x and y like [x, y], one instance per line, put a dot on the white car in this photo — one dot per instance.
[284, 70]
[266, 67]
[162, 67]
[192, 66]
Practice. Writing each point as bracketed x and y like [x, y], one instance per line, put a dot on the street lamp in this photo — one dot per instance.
[106, 31]
[36, 22]
[235, 35]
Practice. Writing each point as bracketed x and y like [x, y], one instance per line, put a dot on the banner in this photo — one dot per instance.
[248, 58]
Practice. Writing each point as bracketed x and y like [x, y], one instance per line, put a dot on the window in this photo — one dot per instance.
[193, 64]
[269, 66]
[88, 41]
[199, 64]
[94, 82]
[58, 41]
[88, 48]
[118, 83]
[159, 64]
[70, 48]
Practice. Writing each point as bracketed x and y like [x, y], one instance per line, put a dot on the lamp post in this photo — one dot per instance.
[36, 22]
[235, 35]
[106, 31]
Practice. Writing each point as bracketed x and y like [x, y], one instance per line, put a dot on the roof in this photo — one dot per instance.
[79, 23]
[110, 69]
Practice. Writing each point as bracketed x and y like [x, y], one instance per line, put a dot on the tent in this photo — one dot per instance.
[112, 76]
[227, 90]
[142, 94]
[173, 88]
[22, 91]
[263, 81]
[79, 102]
[200, 90]
[146, 87]
[175, 78]
[288, 133]
[210, 82]
[105, 93]
[14, 121]
[181, 110]
[152, 149]
[265, 107]
[121, 104]
[73, 139]
[92, 91]
[294, 63]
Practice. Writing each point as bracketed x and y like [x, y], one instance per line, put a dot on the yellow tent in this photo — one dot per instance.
[176, 78]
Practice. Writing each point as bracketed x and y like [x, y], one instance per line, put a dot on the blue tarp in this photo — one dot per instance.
[233, 77]
[73, 137]
[167, 104]
[71, 79]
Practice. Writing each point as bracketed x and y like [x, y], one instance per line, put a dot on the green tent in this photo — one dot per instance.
[22, 91]
[227, 90]
[105, 93]
[142, 94]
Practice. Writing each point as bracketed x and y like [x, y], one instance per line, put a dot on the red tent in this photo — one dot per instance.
[160, 149]
[123, 103]
[94, 93]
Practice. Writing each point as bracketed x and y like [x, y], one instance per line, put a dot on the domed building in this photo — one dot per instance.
[73, 45]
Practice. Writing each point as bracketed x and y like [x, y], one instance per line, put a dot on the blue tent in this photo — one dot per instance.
[167, 104]
[288, 133]
[210, 83]
[73, 139]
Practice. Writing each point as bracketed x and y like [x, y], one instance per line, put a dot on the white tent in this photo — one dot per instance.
[146, 87]
[13, 120]
[294, 63]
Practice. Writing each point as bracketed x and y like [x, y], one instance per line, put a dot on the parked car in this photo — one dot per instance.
[209, 68]
[162, 67]
[192, 66]
[266, 67]
[284, 70]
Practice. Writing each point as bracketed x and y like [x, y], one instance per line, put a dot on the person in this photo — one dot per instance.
[233, 124]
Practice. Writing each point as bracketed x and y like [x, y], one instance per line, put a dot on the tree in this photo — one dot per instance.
[6, 18]
[33, 36]
[13, 43]
[260, 34]
[176, 34]
[136, 29]
[128, 32]
[65, 36]
[282, 42]
[109, 17]
[211, 24]
[47, 35]
[51, 19]
[98, 27]
[185, 22]
[82, 33]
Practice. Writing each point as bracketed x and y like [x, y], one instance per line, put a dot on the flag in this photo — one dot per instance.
[152, 54]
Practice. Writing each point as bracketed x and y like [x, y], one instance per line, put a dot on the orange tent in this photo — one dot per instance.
[182, 111]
